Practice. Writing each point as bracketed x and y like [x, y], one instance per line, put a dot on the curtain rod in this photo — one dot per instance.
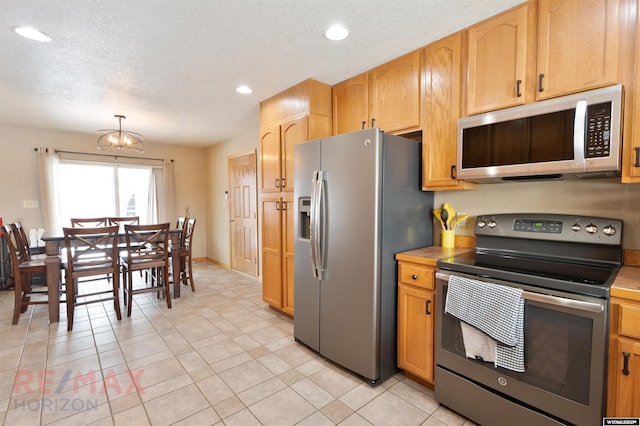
[103, 155]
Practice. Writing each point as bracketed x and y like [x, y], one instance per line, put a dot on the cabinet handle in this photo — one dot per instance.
[277, 183]
[540, 88]
[518, 84]
[277, 205]
[637, 156]
[426, 306]
[282, 184]
[625, 367]
[284, 206]
[373, 121]
[453, 171]
[364, 123]
[414, 277]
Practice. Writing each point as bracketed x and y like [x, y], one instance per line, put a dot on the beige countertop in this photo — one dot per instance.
[626, 285]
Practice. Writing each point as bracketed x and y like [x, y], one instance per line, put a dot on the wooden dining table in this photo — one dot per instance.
[54, 241]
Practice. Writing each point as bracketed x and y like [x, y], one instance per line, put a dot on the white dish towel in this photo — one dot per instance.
[495, 310]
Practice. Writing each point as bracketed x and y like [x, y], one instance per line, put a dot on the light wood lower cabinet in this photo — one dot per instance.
[416, 314]
[624, 359]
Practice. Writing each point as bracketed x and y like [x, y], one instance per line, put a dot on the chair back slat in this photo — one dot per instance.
[189, 226]
[180, 223]
[89, 222]
[121, 221]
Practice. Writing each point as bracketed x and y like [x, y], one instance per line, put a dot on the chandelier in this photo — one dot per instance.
[117, 140]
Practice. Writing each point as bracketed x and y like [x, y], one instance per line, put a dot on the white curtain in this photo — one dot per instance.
[164, 189]
[47, 172]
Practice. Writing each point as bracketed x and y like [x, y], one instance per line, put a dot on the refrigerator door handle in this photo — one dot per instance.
[313, 237]
[320, 210]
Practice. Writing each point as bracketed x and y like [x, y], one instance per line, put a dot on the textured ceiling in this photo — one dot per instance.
[172, 66]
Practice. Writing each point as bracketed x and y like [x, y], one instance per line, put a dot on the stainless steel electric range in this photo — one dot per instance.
[562, 267]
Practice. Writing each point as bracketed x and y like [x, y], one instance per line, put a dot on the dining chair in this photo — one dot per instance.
[180, 222]
[22, 240]
[89, 222]
[121, 221]
[184, 253]
[22, 270]
[147, 250]
[91, 252]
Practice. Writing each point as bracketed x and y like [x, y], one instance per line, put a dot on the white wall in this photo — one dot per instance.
[598, 197]
[19, 174]
[217, 182]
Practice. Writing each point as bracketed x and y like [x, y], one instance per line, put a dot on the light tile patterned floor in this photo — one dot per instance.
[219, 357]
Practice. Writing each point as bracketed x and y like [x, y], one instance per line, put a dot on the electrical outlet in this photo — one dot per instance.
[30, 204]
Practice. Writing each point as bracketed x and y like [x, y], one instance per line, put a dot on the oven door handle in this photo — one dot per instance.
[580, 305]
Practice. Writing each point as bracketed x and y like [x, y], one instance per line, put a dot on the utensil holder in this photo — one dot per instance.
[448, 238]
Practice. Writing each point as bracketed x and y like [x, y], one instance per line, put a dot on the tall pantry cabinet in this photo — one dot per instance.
[299, 114]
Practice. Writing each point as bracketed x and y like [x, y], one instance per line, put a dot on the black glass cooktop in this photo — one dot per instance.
[582, 278]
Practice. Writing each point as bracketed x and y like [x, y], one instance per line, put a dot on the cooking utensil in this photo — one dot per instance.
[444, 215]
[458, 219]
[450, 213]
[437, 213]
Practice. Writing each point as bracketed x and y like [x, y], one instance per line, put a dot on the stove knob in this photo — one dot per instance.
[492, 224]
[591, 228]
[576, 227]
[481, 223]
[609, 230]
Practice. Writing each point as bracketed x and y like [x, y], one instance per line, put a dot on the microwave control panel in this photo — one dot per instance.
[598, 130]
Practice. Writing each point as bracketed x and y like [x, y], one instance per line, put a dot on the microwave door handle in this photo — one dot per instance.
[579, 126]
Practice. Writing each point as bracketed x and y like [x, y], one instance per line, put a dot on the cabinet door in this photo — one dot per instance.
[497, 62]
[441, 112]
[293, 133]
[577, 45]
[416, 311]
[272, 251]
[626, 402]
[395, 94]
[351, 104]
[270, 159]
[287, 258]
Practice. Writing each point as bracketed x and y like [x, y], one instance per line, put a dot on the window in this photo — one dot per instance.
[87, 189]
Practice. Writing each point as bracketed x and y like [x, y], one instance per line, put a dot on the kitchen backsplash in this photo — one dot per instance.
[597, 197]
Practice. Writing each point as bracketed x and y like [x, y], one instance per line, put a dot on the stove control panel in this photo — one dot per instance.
[555, 227]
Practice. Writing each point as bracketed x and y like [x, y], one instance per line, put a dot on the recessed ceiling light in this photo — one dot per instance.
[31, 34]
[337, 32]
[245, 90]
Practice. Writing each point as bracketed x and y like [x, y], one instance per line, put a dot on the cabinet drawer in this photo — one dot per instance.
[629, 321]
[416, 275]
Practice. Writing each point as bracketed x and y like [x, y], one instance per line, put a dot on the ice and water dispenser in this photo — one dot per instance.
[304, 218]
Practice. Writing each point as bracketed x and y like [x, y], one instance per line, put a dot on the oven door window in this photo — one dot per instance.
[558, 351]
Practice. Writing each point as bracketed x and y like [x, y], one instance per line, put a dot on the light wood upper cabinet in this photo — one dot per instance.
[498, 49]
[270, 159]
[395, 94]
[577, 45]
[441, 110]
[351, 104]
[387, 96]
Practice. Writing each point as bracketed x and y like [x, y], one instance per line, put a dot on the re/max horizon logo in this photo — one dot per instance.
[73, 382]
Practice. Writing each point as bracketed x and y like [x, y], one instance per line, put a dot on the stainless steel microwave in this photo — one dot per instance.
[578, 135]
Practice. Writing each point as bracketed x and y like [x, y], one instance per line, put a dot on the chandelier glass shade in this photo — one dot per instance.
[118, 140]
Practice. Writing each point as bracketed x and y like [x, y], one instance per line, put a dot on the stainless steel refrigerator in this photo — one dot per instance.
[357, 202]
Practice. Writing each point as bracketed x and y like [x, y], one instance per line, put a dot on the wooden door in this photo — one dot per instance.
[497, 62]
[415, 331]
[577, 45]
[351, 104]
[272, 250]
[441, 112]
[243, 213]
[287, 258]
[293, 133]
[395, 94]
[271, 175]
